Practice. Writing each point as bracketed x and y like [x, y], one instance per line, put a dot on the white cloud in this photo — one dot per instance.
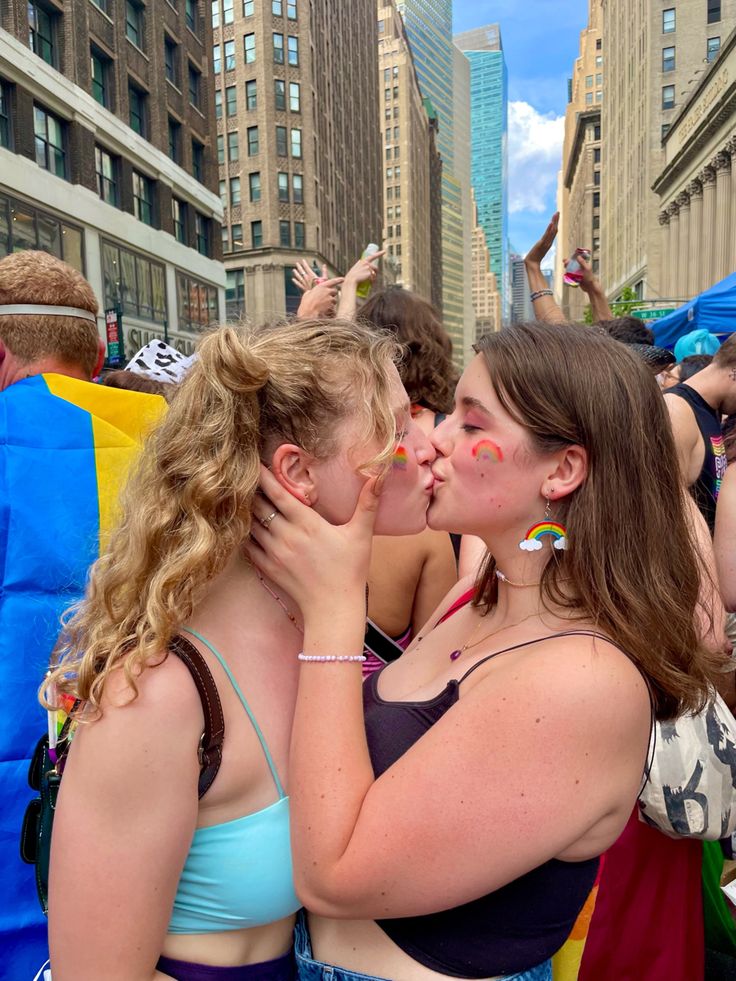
[535, 152]
[530, 545]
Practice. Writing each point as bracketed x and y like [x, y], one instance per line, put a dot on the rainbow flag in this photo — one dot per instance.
[65, 447]
[566, 962]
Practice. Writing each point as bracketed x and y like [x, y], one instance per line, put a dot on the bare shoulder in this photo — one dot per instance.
[680, 411]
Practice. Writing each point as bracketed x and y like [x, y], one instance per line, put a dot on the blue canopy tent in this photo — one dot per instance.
[714, 310]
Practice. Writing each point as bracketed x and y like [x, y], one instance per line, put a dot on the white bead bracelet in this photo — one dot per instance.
[326, 658]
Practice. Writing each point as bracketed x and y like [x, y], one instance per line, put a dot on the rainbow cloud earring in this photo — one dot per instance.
[543, 529]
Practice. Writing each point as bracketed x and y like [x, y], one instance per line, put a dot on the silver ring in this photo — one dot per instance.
[267, 521]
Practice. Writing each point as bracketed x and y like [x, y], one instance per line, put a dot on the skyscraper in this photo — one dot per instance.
[107, 156]
[521, 304]
[299, 142]
[429, 29]
[486, 298]
[489, 112]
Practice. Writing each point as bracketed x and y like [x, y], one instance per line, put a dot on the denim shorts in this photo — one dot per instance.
[308, 969]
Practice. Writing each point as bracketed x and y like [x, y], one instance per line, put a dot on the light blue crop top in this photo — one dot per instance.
[238, 874]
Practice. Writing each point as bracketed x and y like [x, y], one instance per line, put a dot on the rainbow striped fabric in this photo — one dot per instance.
[65, 446]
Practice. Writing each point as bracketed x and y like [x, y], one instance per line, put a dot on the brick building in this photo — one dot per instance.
[298, 140]
[107, 154]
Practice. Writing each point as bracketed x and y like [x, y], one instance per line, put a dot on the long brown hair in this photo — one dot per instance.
[631, 564]
[426, 368]
[189, 504]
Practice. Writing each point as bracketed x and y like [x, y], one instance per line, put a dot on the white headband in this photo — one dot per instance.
[37, 309]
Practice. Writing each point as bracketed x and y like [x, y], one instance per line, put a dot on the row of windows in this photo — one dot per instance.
[288, 192]
[251, 97]
[285, 142]
[102, 78]
[287, 240]
[589, 80]
[669, 16]
[589, 97]
[226, 52]
[26, 227]
[669, 55]
[223, 11]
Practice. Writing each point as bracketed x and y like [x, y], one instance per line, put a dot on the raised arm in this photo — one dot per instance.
[591, 285]
[363, 271]
[545, 305]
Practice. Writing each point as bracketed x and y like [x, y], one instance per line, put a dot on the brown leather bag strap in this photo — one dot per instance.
[210, 745]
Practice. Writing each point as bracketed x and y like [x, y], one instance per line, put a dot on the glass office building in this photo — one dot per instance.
[489, 93]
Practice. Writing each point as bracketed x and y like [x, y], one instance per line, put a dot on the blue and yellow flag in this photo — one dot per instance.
[65, 448]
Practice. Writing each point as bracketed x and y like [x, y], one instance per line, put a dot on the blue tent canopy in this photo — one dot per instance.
[714, 310]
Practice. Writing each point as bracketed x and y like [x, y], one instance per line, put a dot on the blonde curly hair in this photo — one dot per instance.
[188, 504]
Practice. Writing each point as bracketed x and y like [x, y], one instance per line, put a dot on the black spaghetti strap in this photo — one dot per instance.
[539, 640]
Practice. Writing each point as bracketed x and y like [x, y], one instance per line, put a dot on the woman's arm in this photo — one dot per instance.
[724, 541]
[363, 271]
[497, 787]
[545, 307]
[438, 576]
[125, 818]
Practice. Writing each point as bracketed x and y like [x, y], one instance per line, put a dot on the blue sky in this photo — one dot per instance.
[541, 41]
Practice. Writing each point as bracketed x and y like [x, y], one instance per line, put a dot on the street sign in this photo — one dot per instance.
[115, 340]
[655, 314]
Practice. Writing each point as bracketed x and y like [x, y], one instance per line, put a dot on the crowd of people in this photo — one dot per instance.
[359, 660]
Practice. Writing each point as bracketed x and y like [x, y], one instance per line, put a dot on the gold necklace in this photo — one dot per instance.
[292, 619]
[519, 585]
[454, 655]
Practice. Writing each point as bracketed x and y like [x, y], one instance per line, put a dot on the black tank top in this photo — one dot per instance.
[509, 931]
[707, 487]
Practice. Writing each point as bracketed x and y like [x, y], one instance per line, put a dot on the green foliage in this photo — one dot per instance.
[625, 303]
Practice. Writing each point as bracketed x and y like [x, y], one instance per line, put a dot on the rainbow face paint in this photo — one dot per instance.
[487, 452]
[400, 460]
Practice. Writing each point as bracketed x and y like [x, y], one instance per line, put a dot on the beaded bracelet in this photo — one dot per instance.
[326, 658]
[540, 293]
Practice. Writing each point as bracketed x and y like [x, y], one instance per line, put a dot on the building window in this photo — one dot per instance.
[143, 198]
[103, 5]
[225, 232]
[666, 127]
[256, 234]
[196, 303]
[281, 150]
[714, 11]
[596, 133]
[714, 46]
[228, 14]
[229, 56]
[202, 233]
[171, 59]
[589, 81]
[668, 96]
[174, 140]
[599, 61]
[197, 161]
[195, 86]
[597, 155]
[231, 100]
[277, 8]
[299, 236]
[598, 44]
[234, 191]
[279, 94]
[215, 13]
[254, 187]
[249, 46]
[596, 222]
[599, 96]
[179, 215]
[218, 104]
[220, 148]
[251, 94]
[669, 21]
[190, 8]
[278, 48]
[42, 24]
[248, 8]
[134, 23]
[283, 183]
[237, 236]
[297, 188]
[222, 189]
[294, 97]
[100, 74]
[233, 151]
[5, 130]
[596, 199]
[589, 98]
[134, 283]
[669, 62]
[235, 294]
[285, 234]
[50, 137]
[106, 169]
[137, 110]
[291, 9]
[216, 59]
[252, 141]
[597, 178]
[293, 50]
[296, 143]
